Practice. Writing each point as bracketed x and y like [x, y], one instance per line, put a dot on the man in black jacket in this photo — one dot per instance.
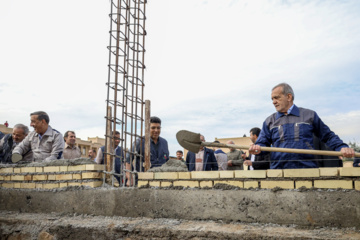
[261, 161]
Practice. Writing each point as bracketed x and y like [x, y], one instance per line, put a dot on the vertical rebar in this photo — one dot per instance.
[126, 61]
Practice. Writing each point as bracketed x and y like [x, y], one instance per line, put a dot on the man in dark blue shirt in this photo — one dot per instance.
[159, 151]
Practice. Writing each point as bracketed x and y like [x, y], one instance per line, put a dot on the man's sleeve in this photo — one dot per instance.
[1, 144]
[99, 156]
[264, 138]
[188, 160]
[327, 136]
[238, 161]
[214, 165]
[356, 162]
[167, 151]
[23, 147]
[57, 148]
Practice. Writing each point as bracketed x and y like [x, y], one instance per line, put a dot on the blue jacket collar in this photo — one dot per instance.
[295, 111]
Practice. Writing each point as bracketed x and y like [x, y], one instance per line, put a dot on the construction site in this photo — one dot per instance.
[79, 199]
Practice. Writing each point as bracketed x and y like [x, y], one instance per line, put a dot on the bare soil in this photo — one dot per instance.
[23, 226]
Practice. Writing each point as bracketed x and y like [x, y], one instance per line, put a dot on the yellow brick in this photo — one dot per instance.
[76, 176]
[63, 168]
[50, 185]
[305, 172]
[154, 183]
[28, 185]
[249, 184]
[299, 184]
[93, 184]
[74, 183]
[17, 170]
[329, 172]
[191, 184]
[40, 177]
[28, 178]
[146, 175]
[51, 177]
[166, 175]
[39, 169]
[17, 178]
[52, 169]
[184, 175]
[143, 183]
[94, 167]
[63, 177]
[39, 185]
[1, 178]
[226, 174]
[28, 169]
[250, 174]
[274, 173]
[357, 185]
[280, 184]
[6, 170]
[205, 175]
[87, 175]
[63, 184]
[346, 184]
[17, 185]
[239, 184]
[77, 168]
[206, 184]
[7, 178]
[350, 172]
[8, 185]
[166, 184]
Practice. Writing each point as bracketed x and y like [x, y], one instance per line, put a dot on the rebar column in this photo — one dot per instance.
[125, 86]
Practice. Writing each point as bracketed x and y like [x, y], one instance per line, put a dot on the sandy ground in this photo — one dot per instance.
[15, 225]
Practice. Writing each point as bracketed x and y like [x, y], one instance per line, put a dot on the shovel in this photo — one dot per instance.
[191, 142]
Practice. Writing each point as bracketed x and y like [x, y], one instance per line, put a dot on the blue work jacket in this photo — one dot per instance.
[296, 130]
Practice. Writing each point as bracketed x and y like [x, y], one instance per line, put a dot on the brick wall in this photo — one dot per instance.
[91, 175]
[346, 178]
[50, 177]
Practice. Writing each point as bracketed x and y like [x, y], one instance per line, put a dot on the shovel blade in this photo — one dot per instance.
[189, 140]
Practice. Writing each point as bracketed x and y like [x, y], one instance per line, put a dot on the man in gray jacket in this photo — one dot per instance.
[45, 142]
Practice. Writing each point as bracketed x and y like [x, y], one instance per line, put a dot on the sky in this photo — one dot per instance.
[210, 65]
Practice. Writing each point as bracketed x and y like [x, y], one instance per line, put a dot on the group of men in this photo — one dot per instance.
[289, 127]
[212, 159]
[44, 143]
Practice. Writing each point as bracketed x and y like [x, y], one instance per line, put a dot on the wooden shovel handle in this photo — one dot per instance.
[275, 149]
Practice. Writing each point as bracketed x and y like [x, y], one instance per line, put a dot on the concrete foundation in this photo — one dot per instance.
[314, 208]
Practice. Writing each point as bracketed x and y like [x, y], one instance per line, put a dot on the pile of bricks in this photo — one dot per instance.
[50, 177]
[345, 178]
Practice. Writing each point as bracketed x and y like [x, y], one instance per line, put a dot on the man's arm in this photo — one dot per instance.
[263, 140]
[57, 147]
[24, 146]
[99, 156]
[332, 140]
[239, 160]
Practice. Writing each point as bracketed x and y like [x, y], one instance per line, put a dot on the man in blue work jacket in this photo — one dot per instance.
[293, 127]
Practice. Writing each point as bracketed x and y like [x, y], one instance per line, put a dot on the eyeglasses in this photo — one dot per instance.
[155, 128]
